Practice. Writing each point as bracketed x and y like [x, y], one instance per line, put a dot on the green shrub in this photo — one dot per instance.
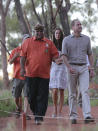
[6, 105]
[94, 102]
[9, 104]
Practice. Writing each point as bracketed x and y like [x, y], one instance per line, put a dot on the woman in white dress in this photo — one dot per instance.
[58, 76]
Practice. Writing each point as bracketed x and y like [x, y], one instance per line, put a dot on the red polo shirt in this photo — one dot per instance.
[39, 55]
[16, 67]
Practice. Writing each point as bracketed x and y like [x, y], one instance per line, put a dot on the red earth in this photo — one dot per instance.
[51, 124]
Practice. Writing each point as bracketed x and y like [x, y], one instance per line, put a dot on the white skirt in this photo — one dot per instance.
[58, 76]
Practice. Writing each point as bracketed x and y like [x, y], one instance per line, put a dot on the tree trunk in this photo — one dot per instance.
[63, 13]
[97, 2]
[21, 19]
[3, 54]
[34, 10]
[52, 19]
[27, 23]
[3, 51]
[64, 21]
[45, 21]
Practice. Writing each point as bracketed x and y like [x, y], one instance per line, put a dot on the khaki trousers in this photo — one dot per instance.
[81, 76]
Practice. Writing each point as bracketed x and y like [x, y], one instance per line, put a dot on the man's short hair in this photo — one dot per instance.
[39, 27]
[73, 22]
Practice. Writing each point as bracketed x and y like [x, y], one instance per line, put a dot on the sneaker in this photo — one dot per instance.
[88, 120]
[54, 115]
[28, 117]
[73, 121]
[38, 122]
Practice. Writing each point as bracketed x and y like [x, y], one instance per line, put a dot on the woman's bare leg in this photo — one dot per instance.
[55, 100]
[61, 101]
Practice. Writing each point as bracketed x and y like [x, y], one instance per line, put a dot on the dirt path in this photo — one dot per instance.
[50, 124]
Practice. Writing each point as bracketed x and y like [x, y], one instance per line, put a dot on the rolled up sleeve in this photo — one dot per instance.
[89, 50]
[64, 47]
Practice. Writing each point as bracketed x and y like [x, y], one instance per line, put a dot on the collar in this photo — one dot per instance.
[43, 39]
[72, 35]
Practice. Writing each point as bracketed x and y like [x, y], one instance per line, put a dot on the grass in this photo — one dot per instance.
[94, 102]
[6, 104]
[9, 104]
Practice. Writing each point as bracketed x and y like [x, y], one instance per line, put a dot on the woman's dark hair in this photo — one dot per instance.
[58, 43]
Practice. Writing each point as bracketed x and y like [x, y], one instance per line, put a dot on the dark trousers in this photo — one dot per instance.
[37, 92]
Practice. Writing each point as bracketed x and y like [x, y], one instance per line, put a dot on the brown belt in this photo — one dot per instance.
[79, 64]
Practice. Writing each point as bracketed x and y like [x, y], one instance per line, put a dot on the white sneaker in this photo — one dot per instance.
[54, 115]
[38, 122]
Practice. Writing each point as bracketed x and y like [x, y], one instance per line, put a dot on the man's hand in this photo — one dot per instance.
[72, 71]
[22, 72]
[92, 73]
[14, 58]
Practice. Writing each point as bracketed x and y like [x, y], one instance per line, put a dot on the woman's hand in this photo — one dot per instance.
[59, 61]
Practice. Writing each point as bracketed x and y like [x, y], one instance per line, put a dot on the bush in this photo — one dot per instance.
[6, 105]
[94, 102]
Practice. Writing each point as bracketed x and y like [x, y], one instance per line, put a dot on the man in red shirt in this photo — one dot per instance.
[18, 81]
[36, 57]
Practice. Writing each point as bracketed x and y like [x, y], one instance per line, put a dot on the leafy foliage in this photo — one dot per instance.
[86, 12]
[88, 15]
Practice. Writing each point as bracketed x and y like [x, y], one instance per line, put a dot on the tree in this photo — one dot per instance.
[97, 2]
[49, 15]
[3, 13]
[41, 13]
[44, 15]
[52, 18]
[63, 13]
[36, 14]
[87, 14]
[22, 22]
